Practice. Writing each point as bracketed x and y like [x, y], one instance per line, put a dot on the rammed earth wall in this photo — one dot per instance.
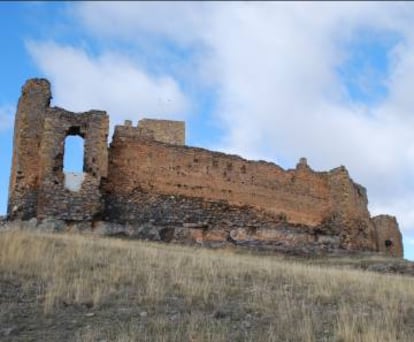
[301, 197]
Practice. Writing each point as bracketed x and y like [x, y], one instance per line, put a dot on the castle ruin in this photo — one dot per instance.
[150, 185]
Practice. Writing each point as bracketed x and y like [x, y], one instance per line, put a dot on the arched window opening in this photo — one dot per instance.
[73, 166]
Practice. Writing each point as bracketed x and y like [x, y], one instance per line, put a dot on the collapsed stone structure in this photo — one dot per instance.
[148, 184]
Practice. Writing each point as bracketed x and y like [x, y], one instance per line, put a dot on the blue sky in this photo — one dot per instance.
[274, 81]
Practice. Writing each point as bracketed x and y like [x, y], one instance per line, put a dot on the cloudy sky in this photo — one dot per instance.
[274, 81]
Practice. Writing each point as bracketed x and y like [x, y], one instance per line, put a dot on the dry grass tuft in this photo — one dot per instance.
[176, 293]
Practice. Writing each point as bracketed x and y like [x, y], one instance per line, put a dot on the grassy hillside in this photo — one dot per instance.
[70, 287]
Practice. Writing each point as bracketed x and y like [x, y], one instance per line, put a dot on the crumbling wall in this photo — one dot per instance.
[55, 200]
[388, 235]
[37, 180]
[135, 162]
[327, 203]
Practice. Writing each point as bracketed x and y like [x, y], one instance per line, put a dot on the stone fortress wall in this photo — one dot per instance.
[151, 183]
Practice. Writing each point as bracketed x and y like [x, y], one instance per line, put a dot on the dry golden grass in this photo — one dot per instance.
[176, 293]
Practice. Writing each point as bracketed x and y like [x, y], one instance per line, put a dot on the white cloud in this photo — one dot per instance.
[282, 99]
[181, 21]
[274, 68]
[6, 117]
[108, 82]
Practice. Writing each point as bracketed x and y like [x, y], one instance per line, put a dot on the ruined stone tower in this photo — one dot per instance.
[37, 185]
[28, 131]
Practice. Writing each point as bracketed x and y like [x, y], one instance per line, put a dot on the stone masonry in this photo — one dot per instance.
[37, 179]
[28, 130]
[151, 183]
